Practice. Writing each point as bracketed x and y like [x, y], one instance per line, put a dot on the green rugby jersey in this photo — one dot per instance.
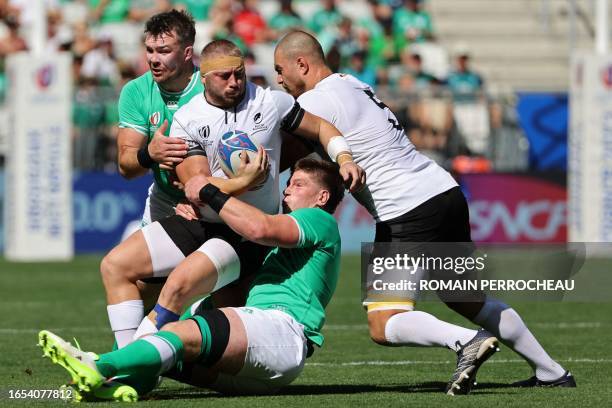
[143, 106]
[301, 281]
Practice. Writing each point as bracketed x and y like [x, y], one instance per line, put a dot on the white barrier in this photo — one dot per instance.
[38, 206]
[590, 149]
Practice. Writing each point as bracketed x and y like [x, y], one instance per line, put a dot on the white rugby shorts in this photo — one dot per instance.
[275, 355]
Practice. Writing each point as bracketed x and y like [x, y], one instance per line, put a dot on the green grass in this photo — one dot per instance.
[68, 298]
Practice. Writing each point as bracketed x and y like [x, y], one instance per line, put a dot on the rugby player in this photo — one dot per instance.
[203, 254]
[255, 349]
[412, 199]
[147, 105]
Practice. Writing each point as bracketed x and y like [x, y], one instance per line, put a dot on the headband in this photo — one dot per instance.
[224, 62]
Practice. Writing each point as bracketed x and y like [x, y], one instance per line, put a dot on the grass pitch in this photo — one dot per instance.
[350, 370]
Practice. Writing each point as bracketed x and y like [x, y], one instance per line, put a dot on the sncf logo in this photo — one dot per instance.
[154, 118]
[44, 76]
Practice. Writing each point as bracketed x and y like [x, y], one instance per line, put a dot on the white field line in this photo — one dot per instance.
[328, 327]
[537, 325]
[96, 329]
[445, 362]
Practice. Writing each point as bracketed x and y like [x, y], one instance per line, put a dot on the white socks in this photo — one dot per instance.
[124, 319]
[503, 321]
[417, 328]
[145, 328]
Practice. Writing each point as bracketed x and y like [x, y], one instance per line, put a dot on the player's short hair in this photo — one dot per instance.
[300, 42]
[221, 47]
[327, 175]
[173, 22]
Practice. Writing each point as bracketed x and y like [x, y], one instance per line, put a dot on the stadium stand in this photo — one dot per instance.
[447, 68]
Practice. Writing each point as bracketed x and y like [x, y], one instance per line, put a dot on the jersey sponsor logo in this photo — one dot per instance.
[204, 132]
[44, 76]
[154, 118]
[259, 127]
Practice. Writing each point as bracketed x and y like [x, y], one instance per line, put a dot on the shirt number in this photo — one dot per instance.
[382, 106]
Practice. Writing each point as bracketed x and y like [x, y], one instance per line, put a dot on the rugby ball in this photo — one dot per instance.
[229, 148]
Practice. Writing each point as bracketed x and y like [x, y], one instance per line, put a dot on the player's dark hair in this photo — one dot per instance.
[173, 22]
[327, 175]
[224, 47]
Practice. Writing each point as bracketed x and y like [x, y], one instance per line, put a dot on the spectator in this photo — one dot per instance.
[360, 70]
[344, 40]
[199, 9]
[229, 34]
[286, 19]
[327, 17]
[370, 34]
[220, 14]
[13, 41]
[249, 25]
[435, 58]
[109, 11]
[82, 40]
[99, 64]
[141, 10]
[411, 24]
[465, 84]
[392, 4]
[410, 76]
[257, 75]
[25, 10]
[59, 35]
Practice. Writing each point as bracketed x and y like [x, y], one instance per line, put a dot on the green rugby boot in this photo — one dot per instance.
[81, 365]
[108, 391]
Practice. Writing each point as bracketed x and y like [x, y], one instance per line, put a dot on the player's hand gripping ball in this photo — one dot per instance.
[230, 146]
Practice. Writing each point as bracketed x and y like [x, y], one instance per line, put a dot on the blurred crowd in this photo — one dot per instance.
[389, 44]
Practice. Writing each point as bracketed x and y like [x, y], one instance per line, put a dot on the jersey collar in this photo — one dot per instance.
[195, 77]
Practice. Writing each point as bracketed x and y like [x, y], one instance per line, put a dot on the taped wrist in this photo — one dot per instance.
[144, 158]
[336, 146]
[214, 197]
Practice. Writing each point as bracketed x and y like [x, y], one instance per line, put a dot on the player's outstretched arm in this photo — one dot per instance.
[254, 225]
[315, 128]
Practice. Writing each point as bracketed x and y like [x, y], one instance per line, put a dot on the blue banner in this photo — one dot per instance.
[543, 118]
[103, 206]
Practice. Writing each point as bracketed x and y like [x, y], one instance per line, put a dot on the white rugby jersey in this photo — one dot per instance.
[399, 178]
[261, 114]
